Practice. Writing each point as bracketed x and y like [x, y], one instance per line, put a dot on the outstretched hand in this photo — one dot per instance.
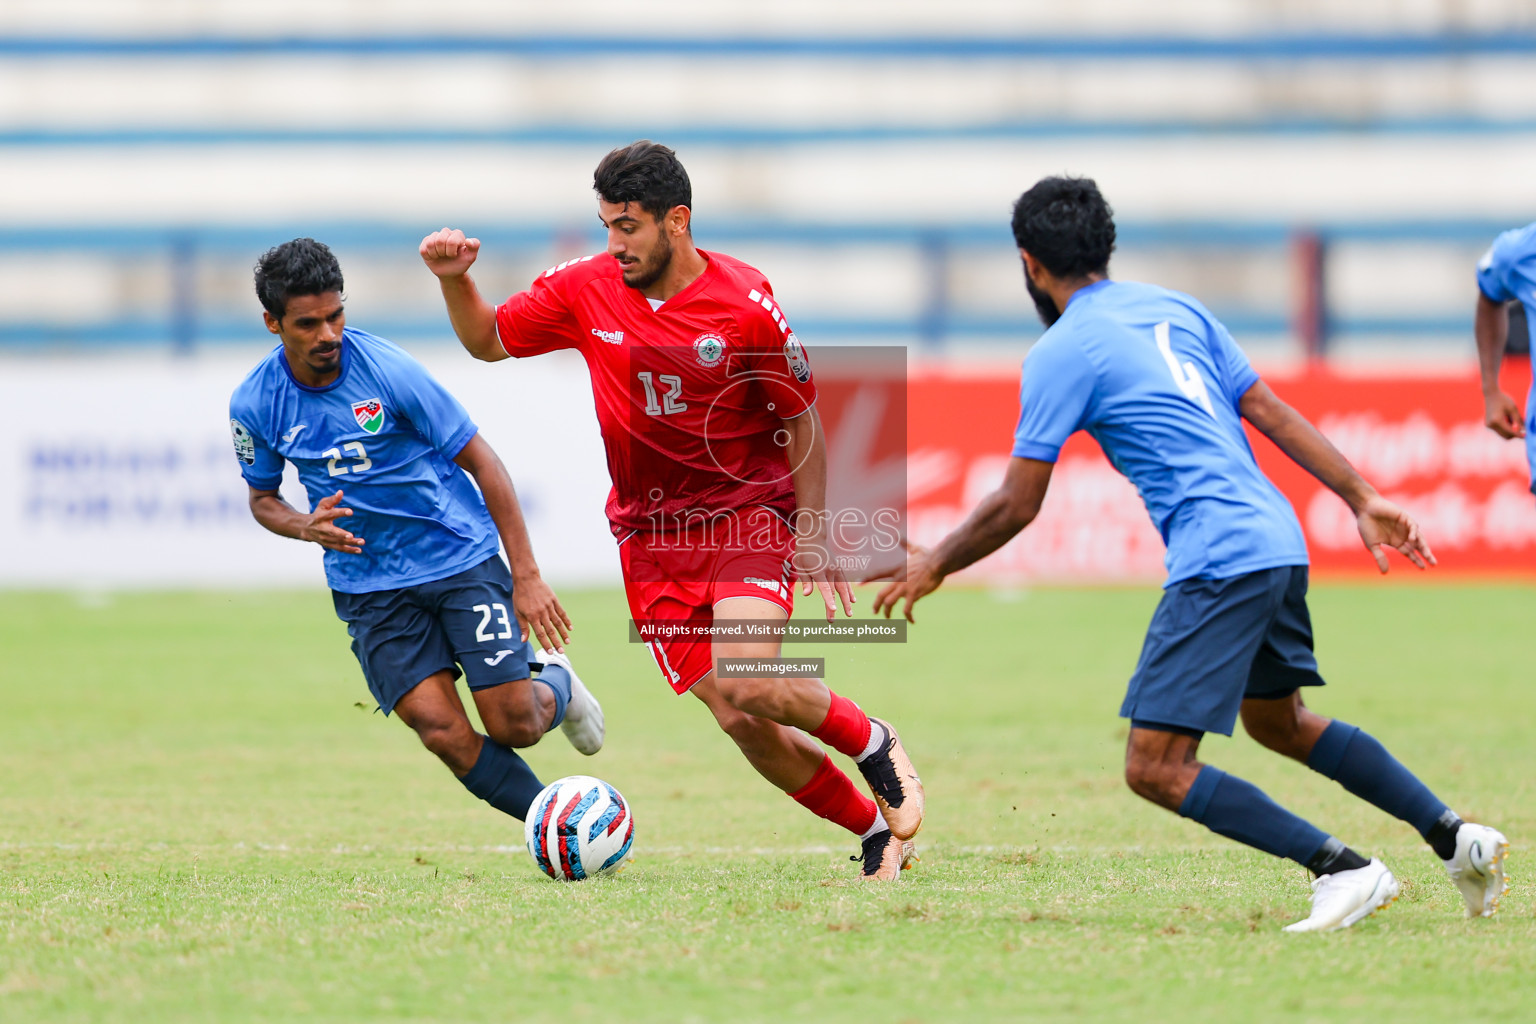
[818, 571]
[922, 579]
[1384, 525]
[320, 527]
[447, 253]
[539, 611]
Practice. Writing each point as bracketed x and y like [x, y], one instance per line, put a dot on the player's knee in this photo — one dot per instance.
[749, 732]
[513, 715]
[1268, 732]
[516, 733]
[757, 697]
[1151, 779]
[451, 739]
[1274, 726]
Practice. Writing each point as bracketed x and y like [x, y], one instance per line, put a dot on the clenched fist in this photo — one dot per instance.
[447, 253]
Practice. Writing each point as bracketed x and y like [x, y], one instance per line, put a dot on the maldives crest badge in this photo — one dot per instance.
[709, 349]
[370, 414]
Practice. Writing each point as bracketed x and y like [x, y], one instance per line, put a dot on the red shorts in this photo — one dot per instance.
[672, 582]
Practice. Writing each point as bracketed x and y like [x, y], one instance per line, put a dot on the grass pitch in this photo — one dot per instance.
[202, 819]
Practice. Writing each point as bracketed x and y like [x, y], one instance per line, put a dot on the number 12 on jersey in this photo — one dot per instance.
[669, 403]
[1186, 376]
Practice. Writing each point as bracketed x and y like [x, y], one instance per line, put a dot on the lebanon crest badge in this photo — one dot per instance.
[709, 349]
[370, 414]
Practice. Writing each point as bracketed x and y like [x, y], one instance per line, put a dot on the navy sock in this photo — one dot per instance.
[502, 779]
[1239, 810]
[1356, 761]
[559, 682]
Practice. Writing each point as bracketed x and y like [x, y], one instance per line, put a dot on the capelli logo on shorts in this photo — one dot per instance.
[773, 585]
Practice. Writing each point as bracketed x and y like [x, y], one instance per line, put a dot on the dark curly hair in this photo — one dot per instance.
[300, 267]
[645, 173]
[1066, 225]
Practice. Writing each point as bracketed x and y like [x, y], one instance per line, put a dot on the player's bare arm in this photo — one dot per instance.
[994, 522]
[449, 255]
[317, 527]
[814, 557]
[1490, 325]
[537, 607]
[1382, 523]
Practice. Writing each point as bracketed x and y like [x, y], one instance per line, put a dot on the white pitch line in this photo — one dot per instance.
[659, 851]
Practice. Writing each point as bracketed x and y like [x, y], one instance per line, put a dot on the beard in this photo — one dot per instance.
[325, 361]
[1045, 306]
[648, 271]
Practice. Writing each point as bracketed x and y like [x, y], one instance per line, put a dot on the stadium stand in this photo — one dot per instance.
[1323, 175]
[1264, 155]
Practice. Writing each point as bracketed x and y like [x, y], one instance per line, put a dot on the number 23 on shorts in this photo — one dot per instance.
[502, 620]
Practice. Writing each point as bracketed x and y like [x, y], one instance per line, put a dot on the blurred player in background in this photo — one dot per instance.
[416, 572]
[706, 405]
[1162, 387]
[1506, 274]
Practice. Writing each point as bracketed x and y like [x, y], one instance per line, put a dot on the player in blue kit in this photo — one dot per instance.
[1505, 274]
[416, 572]
[1160, 384]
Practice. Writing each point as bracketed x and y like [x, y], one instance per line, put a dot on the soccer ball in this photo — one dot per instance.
[579, 827]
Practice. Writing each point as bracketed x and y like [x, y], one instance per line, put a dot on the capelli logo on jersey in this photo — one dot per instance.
[611, 337]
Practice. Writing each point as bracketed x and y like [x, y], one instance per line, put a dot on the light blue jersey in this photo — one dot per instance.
[384, 432]
[1507, 272]
[1155, 379]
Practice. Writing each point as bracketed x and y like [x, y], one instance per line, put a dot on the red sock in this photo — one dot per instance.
[831, 795]
[846, 729]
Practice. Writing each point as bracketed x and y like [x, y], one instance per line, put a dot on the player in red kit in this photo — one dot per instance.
[706, 403]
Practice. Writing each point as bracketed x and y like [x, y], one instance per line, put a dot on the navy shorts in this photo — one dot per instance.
[1214, 643]
[401, 637]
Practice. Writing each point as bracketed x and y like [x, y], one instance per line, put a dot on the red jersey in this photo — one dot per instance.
[690, 397]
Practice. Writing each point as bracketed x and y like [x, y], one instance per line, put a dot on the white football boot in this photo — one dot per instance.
[583, 724]
[1344, 897]
[1477, 868]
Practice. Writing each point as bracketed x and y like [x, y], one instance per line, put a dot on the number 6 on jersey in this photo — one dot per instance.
[1187, 376]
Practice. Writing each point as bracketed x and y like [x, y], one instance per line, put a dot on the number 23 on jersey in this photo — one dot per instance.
[333, 456]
